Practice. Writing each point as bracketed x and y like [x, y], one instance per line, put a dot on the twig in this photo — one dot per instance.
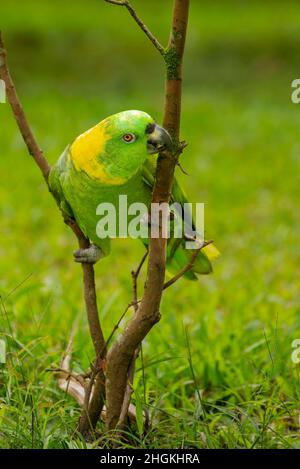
[68, 374]
[149, 34]
[188, 266]
[134, 275]
[182, 169]
[116, 326]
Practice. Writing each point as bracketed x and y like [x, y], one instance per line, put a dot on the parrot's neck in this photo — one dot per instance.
[84, 154]
[101, 161]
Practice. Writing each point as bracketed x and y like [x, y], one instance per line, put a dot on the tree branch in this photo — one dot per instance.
[88, 269]
[122, 352]
[144, 28]
[27, 134]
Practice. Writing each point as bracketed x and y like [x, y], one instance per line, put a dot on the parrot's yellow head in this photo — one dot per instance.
[117, 147]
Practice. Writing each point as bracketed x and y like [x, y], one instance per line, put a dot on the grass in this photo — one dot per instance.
[218, 369]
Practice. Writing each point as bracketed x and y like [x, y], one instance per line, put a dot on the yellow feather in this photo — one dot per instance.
[85, 151]
[211, 251]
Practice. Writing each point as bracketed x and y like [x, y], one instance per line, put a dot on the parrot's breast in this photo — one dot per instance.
[84, 196]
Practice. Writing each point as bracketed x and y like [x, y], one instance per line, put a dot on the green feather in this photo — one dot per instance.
[78, 193]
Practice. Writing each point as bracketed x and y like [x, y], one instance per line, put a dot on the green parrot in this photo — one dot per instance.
[111, 159]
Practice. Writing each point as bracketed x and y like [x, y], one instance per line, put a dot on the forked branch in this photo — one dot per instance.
[122, 352]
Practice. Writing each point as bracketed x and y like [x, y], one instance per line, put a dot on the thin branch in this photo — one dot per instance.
[188, 266]
[26, 132]
[66, 375]
[88, 269]
[137, 19]
[41, 161]
[116, 326]
[121, 3]
[134, 276]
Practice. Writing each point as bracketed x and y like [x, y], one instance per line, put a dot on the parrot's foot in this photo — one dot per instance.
[89, 255]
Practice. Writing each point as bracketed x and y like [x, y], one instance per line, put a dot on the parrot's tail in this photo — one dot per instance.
[178, 257]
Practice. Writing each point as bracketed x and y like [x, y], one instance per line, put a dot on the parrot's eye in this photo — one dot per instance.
[128, 138]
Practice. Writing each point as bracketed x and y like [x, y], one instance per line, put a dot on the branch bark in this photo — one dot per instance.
[89, 288]
[147, 315]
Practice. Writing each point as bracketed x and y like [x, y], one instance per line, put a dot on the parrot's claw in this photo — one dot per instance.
[88, 256]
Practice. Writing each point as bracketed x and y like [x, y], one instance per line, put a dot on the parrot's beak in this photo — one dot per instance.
[158, 139]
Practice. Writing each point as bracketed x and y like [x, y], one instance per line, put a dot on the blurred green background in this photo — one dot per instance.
[73, 64]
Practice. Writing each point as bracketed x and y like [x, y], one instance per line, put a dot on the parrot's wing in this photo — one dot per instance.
[177, 254]
[55, 185]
